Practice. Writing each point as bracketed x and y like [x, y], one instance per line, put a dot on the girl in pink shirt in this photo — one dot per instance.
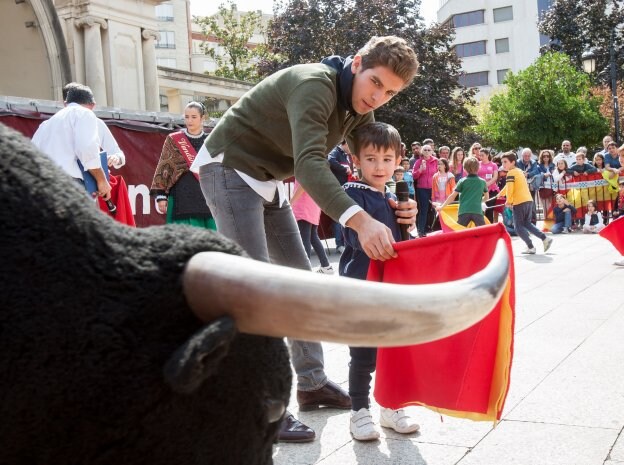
[308, 215]
[488, 171]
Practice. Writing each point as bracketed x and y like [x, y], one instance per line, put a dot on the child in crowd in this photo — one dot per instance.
[582, 166]
[519, 199]
[618, 208]
[376, 153]
[408, 178]
[308, 216]
[593, 219]
[563, 212]
[561, 171]
[443, 183]
[457, 163]
[473, 192]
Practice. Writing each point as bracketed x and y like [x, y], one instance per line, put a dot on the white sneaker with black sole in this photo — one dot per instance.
[547, 243]
[325, 270]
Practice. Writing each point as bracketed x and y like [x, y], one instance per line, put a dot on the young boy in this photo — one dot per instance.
[376, 153]
[582, 166]
[520, 201]
[473, 192]
[407, 177]
[563, 212]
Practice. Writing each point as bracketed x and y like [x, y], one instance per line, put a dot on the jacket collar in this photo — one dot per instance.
[344, 79]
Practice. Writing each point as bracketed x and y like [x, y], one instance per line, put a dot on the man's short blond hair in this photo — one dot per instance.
[393, 53]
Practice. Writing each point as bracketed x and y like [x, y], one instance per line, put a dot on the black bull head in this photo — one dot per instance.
[121, 345]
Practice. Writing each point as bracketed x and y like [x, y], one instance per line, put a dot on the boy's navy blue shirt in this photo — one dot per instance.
[353, 261]
[560, 214]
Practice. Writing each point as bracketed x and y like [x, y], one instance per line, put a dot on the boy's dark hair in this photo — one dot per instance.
[81, 95]
[379, 135]
[393, 53]
[471, 165]
[510, 156]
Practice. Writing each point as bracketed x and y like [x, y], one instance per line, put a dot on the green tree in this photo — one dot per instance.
[305, 31]
[543, 104]
[576, 26]
[235, 57]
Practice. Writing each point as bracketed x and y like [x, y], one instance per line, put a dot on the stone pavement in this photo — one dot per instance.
[566, 401]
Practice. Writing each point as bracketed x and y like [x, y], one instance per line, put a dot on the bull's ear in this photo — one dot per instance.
[199, 357]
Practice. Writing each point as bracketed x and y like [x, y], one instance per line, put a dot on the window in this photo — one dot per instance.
[164, 12]
[503, 14]
[502, 45]
[468, 19]
[167, 40]
[167, 62]
[501, 74]
[474, 79]
[470, 49]
[164, 103]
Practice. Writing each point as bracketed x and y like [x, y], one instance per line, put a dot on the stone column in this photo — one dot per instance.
[94, 57]
[150, 72]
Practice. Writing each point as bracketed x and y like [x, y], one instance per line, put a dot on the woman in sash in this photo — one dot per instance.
[175, 187]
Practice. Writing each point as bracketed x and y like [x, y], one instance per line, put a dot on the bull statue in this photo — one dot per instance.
[164, 345]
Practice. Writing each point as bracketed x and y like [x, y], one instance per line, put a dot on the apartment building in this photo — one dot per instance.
[493, 37]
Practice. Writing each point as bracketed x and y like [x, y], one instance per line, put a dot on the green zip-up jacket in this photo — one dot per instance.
[285, 125]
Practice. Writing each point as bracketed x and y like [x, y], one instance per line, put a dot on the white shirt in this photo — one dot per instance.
[265, 189]
[70, 135]
[570, 158]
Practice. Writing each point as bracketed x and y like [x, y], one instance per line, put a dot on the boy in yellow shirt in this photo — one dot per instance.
[520, 201]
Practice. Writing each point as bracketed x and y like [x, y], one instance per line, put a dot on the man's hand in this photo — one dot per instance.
[375, 237]
[104, 189]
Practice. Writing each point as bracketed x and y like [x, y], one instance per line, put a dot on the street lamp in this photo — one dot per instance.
[589, 65]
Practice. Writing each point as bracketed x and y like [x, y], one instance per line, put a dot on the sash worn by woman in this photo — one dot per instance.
[175, 187]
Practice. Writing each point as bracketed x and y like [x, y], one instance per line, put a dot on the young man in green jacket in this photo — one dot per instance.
[285, 125]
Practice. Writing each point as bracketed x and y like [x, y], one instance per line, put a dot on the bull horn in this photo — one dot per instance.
[278, 301]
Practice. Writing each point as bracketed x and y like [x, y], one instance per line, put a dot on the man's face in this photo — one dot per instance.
[606, 140]
[526, 157]
[372, 87]
[416, 150]
[444, 153]
[612, 149]
[566, 146]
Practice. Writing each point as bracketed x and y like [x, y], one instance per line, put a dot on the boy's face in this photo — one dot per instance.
[507, 165]
[580, 159]
[559, 200]
[372, 87]
[376, 164]
[405, 165]
[398, 175]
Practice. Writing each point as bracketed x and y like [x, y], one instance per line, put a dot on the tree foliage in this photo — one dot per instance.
[235, 57]
[576, 26]
[547, 102]
[606, 107]
[305, 31]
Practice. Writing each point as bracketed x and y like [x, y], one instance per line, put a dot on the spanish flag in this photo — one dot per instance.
[465, 375]
[614, 233]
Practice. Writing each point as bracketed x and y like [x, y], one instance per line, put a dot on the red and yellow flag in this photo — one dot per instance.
[465, 375]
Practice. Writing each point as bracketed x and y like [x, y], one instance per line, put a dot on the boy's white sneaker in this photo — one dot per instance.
[397, 420]
[325, 270]
[547, 243]
[362, 427]
[530, 251]
[619, 263]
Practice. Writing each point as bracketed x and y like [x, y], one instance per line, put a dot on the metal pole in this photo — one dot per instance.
[612, 63]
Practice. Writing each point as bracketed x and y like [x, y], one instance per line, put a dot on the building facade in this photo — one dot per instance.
[493, 37]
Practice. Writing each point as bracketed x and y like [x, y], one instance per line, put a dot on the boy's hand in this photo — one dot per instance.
[375, 237]
[406, 212]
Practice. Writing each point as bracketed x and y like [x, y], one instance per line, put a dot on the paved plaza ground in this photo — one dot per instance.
[566, 400]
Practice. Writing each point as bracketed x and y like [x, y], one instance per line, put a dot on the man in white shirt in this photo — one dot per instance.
[566, 153]
[71, 135]
[114, 155]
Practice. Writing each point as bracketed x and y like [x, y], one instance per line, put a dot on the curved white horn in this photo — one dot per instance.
[278, 301]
